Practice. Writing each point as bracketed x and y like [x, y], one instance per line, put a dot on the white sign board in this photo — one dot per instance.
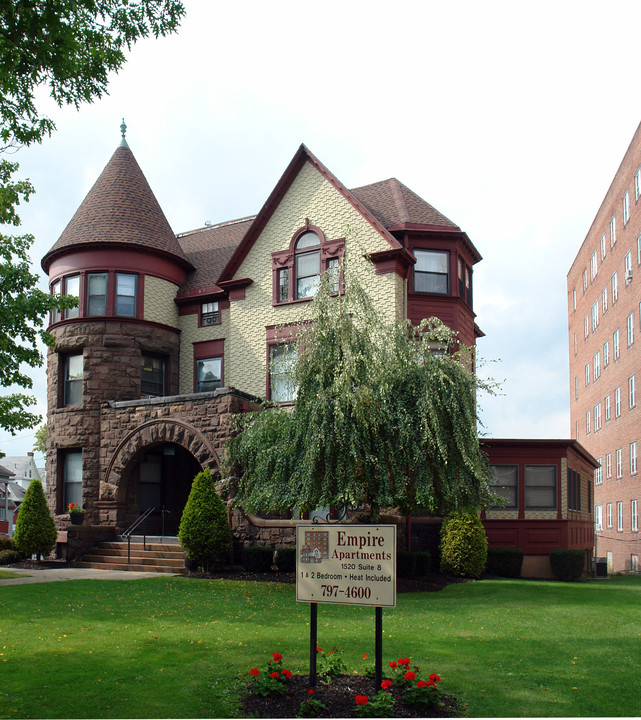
[346, 564]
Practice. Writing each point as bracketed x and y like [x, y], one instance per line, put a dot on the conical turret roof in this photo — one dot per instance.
[119, 210]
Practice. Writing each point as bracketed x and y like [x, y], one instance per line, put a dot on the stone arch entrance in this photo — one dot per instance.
[153, 466]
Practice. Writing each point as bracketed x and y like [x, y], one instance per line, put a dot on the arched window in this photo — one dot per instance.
[307, 265]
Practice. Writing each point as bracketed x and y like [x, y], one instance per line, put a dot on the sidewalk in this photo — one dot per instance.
[69, 573]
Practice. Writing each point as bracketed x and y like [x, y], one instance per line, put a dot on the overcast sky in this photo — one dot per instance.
[510, 118]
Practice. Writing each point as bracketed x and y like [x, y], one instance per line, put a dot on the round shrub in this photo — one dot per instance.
[567, 564]
[6, 543]
[9, 556]
[505, 562]
[258, 558]
[463, 544]
[204, 531]
[286, 558]
[35, 532]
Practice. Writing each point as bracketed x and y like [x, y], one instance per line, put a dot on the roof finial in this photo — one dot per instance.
[123, 130]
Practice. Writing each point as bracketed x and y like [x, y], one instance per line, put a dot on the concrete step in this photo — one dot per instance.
[178, 563]
[147, 547]
[138, 550]
[150, 557]
[131, 568]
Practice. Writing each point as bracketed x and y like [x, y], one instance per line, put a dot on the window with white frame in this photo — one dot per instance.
[574, 299]
[598, 479]
[608, 465]
[627, 264]
[593, 266]
[576, 387]
[634, 516]
[586, 327]
[637, 184]
[613, 231]
[595, 316]
[639, 250]
[603, 246]
[608, 515]
[71, 478]
[598, 517]
[606, 353]
[587, 422]
[585, 280]
[617, 401]
[634, 562]
[615, 287]
[597, 417]
[633, 458]
[619, 462]
[619, 516]
[632, 396]
[616, 345]
[604, 300]
[73, 377]
[626, 207]
[587, 373]
[630, 322]
[606, 403]
[596, 365]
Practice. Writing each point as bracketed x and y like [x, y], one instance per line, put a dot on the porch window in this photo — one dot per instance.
[431, 271]
[152, 376]
[72, 479]
[540, 487]
[209, 374]
[505, 482]
[73, 372]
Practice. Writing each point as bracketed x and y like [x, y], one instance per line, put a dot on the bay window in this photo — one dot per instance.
[431, 271]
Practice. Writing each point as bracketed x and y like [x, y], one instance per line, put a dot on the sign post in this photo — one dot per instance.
[348, 565]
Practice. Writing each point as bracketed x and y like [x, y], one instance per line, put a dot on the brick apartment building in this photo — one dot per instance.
[604, 310]
[173, 333]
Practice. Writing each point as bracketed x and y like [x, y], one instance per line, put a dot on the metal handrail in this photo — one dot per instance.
[143, 518]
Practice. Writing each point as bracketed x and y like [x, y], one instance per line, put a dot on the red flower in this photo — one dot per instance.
[404, 661]
[273, 675]
[310, 691]
[435, 677]
[431, 683]
[319, 649]
[361, 699]
[277, 657]
[421, 684]
[254, 671]
[364, 656]
[409, 675]
[386, 684]
[286, 673]
[393, 664]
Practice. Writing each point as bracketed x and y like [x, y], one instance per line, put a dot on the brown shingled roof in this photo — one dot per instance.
[393, 203]
[120, 209]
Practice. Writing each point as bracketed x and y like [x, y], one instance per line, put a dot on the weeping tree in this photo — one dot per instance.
[385, 417]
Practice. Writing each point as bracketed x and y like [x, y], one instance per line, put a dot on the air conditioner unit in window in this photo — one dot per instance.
[628, 276]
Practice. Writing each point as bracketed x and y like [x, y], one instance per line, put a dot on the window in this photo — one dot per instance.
[596, 365]
[632, 396]
[608, 465]
[576, 430]
[586, 326]
[633, 457]
[593, 266]
[587, 373]
[634, 516]
[209, 314]
[574, 490]
[209, 374]
[598, 517]
[613, 231]
[626, 207]
[598, 477]
[281, 365]
[576, 345]
[616, 345]
[639, 250]
[73, 370]
[97, 293]
[606, 353]
[55, 290]
[576, 387]
[607, 407]
[608, 515]
[307, 265]
[630, 322]
[540, 487]
[634, 563]
[334, 272]
[587, 422]
[152, 376]
[585, 280]
[617, 401]
[72, 287]
[603, 246]
[619, 462]
[627, 264]
[283, 284]
[637, 184]
[126, 286]
[597, 417]
[615, 287]
[505, 482]
[619, 516]
[604, 300]
[71, 479]
[595, 316]
[431, 271]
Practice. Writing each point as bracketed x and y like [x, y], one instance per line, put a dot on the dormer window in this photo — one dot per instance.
[209, 314]
[431, 272]
[307, 265]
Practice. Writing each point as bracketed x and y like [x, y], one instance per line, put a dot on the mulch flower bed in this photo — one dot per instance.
[339, 698]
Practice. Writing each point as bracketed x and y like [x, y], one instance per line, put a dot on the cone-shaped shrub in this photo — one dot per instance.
[204, 530]
[463, 545]
[35, 532]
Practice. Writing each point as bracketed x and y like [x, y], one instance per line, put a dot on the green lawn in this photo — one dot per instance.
[4, 574]
[179, 647]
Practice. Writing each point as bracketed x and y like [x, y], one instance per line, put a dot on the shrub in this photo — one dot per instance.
[286, 559]
[9, 556]
[6, 543]
[405, 564]
[258, 558]
[35, 532]
[463, 544]
[567, 564]
[423, 563]
[204, 531]
[505, 562]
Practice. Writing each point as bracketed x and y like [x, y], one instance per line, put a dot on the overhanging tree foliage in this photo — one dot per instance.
[385, 416]
[70, 47]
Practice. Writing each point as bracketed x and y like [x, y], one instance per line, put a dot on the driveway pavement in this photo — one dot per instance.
[69, 573]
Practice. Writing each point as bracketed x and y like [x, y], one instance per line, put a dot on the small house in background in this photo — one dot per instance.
[24, 468]
[7, 505]
[547, 486]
